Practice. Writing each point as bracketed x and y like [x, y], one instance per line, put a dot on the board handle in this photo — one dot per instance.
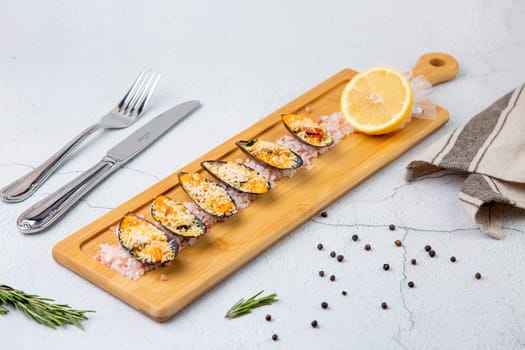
[436, 67]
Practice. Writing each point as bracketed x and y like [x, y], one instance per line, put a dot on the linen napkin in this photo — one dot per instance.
[490, 150]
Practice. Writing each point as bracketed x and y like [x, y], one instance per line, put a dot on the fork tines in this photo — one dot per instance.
[139, 93]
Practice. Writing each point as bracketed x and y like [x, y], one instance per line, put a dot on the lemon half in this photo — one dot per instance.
[377, 101]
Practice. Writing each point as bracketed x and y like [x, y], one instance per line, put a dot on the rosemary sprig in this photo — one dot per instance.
[40, 309]
[243, 307]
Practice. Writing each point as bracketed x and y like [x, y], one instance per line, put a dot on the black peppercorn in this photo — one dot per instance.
[478, 275]
[453, 258]
[411, 284]
[427, 248]
[355, 238]
[392, 227]
[275, 337]
[332, 278]
[413, 261]
[324, 305]
[386, 267]
[340, 258]
[344, 292]
[432, 253]
[320, 246]
[384, 305]
[324, 214]
[314, 324]
[367, 246]
[268, 317]
[321, 273]
[398, 243]
[332, 254]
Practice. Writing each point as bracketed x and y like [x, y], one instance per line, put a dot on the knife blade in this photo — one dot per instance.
[44, 213]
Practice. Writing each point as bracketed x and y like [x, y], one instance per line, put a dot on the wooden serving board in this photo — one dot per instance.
[231, 244]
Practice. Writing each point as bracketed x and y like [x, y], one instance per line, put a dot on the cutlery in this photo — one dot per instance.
[125, 113]
[44, 213]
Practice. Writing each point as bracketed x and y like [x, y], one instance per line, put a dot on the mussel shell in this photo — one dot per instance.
[147, 242]
[208, 195]
[175, 217]
[307, 131]
[238, 176]
[276, 156]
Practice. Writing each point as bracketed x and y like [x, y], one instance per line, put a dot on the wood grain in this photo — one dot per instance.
[231, 244]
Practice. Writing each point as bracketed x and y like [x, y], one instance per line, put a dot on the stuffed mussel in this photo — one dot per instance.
[306, 130]
[208, 195]
[274, 155]
[175, 217]
[238, 176]
[147, 242]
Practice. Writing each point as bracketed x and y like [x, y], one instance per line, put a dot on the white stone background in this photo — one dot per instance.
[65, 63]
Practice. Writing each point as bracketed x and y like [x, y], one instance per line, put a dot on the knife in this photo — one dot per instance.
[44, 213]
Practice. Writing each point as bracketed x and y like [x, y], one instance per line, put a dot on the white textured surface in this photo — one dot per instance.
[64, 63]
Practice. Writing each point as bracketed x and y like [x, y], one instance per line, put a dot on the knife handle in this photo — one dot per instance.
[44, 213]
[25, 186]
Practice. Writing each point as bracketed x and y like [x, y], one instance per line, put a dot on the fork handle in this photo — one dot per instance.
[25, 186]
[44, 213]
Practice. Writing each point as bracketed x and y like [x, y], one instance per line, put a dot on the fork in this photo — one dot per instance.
[125, 113]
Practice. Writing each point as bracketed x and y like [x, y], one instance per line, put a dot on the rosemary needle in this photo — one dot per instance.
[243, 307]
[42, 310]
